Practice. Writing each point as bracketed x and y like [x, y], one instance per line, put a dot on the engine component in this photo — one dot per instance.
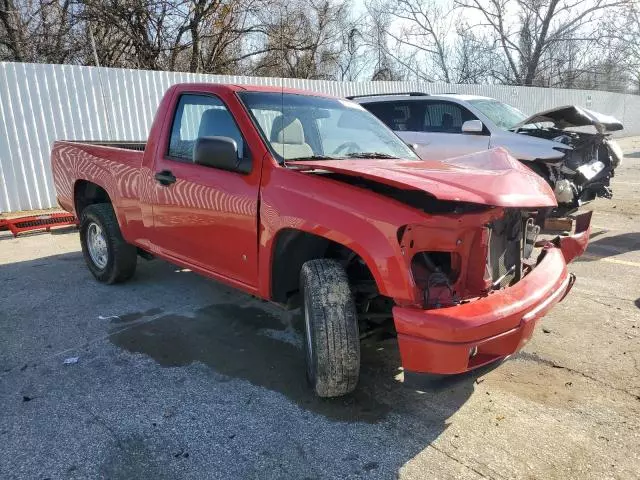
[564, 191]
[504, 255]
[566, 139]
[434, 275]
[615, 152]
[591, 169]
[531, 231]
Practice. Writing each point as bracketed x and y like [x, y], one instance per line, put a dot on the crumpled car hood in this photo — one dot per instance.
[490, 177]
[573, 116]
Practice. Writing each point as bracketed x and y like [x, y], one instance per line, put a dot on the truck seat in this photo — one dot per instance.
[287, 138]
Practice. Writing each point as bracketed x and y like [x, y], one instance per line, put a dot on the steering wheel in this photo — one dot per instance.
[348, 147]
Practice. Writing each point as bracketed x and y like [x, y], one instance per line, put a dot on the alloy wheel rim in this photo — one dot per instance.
[97, 245]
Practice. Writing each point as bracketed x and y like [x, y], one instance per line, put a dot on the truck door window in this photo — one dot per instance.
[445, 117]
[200, 116]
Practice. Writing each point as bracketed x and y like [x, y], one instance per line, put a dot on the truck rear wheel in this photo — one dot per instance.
[331, 328]
[109, 258]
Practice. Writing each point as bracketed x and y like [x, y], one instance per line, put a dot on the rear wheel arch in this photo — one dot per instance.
[87, 193]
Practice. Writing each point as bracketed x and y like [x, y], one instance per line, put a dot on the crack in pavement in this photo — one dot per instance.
[473, 469]
[590, 294]
[100, 422]
[532, 357]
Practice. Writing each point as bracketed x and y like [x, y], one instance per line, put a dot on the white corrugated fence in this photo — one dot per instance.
[42, 103]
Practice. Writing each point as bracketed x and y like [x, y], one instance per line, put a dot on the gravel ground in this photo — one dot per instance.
[180, 377]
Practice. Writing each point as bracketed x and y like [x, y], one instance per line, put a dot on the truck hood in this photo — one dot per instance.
[573, 116]
[490, 177]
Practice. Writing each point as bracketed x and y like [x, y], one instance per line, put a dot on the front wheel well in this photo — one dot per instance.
[87, 193]
[295, 247]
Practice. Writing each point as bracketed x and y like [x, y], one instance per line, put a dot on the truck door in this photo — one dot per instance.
[204, 217]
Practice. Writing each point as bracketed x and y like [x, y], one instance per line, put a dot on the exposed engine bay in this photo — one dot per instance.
[503, 256]
[590, 158]
[584, 172]
[508, 253]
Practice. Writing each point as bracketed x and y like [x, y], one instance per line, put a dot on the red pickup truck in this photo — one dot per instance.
[309, 200]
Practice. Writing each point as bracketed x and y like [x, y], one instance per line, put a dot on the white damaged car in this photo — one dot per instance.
[570, 146]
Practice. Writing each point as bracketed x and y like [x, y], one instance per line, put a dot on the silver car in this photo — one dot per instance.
[569, 146]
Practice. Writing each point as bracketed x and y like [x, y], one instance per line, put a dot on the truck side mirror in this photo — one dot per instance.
[220, 152]
[472, 126]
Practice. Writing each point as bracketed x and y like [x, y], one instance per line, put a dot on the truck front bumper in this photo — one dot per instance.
[460, 338]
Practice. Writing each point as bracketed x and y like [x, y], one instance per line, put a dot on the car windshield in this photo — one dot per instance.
[308, 127]
[503, 115]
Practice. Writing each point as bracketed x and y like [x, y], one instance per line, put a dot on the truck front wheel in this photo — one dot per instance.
[109, 258]
[331, 328]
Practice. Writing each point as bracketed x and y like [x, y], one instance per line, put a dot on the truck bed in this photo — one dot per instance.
[114, 165]
[125, 144]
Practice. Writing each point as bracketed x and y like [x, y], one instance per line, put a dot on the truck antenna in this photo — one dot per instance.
[282, 68]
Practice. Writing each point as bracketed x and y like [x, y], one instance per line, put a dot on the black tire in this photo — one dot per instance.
[121, 257]
[332, 341]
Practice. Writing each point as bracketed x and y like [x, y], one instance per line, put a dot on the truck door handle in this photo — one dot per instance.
[165, 177]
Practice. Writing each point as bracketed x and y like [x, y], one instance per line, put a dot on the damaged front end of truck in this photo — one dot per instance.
[482, 287]
[481, 273]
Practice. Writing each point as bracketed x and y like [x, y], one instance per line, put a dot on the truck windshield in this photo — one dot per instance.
[307, 127]
[503, 115]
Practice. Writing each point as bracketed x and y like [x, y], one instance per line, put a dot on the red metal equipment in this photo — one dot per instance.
[26, 223]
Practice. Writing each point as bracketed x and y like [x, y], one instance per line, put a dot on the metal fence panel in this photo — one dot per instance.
[42, 103]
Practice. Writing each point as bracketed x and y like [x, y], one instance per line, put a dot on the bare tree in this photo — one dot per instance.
[632, 45]
[620, 43]
[433, 42]
[473, 57]
[184, 35]
[129, 33]
[526, 30]
[424, 26]
[387, 65]
[304, 40]
[353, 60]
[216, 32]
[12, 33]
[39, 31]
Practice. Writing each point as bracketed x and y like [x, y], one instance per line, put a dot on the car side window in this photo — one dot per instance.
[200, 116]
[398, 116]
[445, 117]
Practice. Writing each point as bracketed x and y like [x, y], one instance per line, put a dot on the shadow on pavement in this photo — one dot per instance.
[611, 245]
[389, 421]
[254, 344]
